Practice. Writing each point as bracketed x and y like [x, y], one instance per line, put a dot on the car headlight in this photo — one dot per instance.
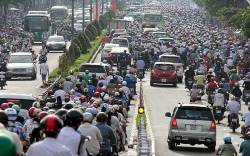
[30, 69]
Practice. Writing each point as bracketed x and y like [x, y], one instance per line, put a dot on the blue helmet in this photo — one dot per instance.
[105, 105]
[227, 138]
[90, 110]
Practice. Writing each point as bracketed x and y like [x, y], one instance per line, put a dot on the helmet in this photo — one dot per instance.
[71, 72]
[91, 100]
[110, 109]
[127, 75]
[6, 139]
[220, 90]
[3, 117]
[85, 90]
[101, 117]
[223, 79]
[95, 111]
[120, 90]
[87, 117]
[104, 88]
[116, 107]
[16, 107]
[81, 109]
[227, 138]
[117, 94]
[36, 104]
[100, 84]
[73, 116]
[124, 83]
[120, 108]
[51, 123]
[4, 106]
[68, 106]
[90, 110]
[31, 111]
[11, 113]
[82, 98]
[50, 92]
[61, 112]
[210, 71]
[105, 105]
[106, 99]
[86, 71]
[236, 84]
[36, 112]
[42, 114]
[96, 94]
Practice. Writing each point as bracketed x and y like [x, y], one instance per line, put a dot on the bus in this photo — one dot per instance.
[59, 13]
[38, 12]
[37, 24]
[151, 19]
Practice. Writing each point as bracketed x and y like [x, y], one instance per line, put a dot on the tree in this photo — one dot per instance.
[90, 27]
[102, 22]
[76, 41]
[90, 36]
[246, 22]
[87, 41]
[97, 26]
[72, 54]
[83, 43]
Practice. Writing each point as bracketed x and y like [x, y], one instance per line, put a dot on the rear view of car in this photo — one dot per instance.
[97, 68]
[176, 60]
[192, 124]
[106, 50]
[163, 72]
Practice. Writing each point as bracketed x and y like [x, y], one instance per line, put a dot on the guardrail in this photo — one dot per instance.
[144, 149]
[51, 86]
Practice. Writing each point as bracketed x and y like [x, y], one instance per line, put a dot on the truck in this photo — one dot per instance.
[117, 24]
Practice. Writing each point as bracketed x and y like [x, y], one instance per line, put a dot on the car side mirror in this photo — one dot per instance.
[168, 114]
[76, 70]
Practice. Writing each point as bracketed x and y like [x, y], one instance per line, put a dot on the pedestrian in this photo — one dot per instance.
[44, 71]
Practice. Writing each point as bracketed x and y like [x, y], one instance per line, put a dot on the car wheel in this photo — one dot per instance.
[175, 84]
[8, 78]
[151, 83]
[180, 79]
[171, 145]
[211, 148]
[47, 51]
[33, 77]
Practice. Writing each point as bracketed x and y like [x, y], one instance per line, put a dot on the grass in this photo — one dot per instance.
[138, 119]
[83, 57]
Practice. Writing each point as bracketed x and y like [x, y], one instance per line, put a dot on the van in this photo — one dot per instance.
[25, 101]
[123, 42]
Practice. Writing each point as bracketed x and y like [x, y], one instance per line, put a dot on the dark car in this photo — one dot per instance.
[56, 43]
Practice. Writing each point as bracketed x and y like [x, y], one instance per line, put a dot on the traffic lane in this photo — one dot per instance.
[163, 98]
[28, 86]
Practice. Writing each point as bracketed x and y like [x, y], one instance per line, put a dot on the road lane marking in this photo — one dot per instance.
[39, 85]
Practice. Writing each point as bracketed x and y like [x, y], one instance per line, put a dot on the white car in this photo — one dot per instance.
[106, 49]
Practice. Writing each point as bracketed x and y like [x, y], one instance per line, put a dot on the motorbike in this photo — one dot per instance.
[241, 73]
[42, 57]
[200, 89]
[246, 97]
[234, 122]
[190, 83]
[44, 41]
[211, 97]
[193, 64]
[218, 114]
[140, 74]
[2, 79]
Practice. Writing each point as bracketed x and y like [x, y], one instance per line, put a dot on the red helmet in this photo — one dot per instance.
[82, 99]
[97, 94]
[42, 114]
[4, 106]
[31, 111]
[120, 108]
[91, 100]
[67, 95]
[51, 123]
[110, 72]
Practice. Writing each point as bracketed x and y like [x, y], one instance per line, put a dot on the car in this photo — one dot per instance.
[160, 34]
[192, 124]
[21, 65]
[24, 101]
[56, 43]
[166, 39]
[116, 51]
[123, 42]
[147, 31]
[106, 49]
[123, 31]
[97, 68]
[163, 72]
[78, 27]
[117, 34]
[176, 60]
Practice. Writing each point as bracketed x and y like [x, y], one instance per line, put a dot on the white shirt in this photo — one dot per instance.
[44, 68]
[109, 78]
[29, 126]
[233, 107]
[60, 93]
[115, 124]
[19, 146]
[48, 147]
[93, 145]
[126, 90]
[230, 62]
[163, 48]
[70, 138]
[103, 81]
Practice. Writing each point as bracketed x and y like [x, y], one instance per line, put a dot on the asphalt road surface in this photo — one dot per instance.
[163, 98]
[28, 86]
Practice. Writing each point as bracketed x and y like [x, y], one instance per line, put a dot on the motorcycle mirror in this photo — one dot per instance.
[88, 138]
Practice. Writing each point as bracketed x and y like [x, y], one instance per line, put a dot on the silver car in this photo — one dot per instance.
[21, 65]
[106, 49]
[192, 124]
[176, 60]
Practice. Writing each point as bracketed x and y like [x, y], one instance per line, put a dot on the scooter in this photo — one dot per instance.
[200, 89]
[190, 83]
[234, 122]
[2, 79]
[247, 97]
[140, 74]
[211, 98]
[42, 57]
[218, 114]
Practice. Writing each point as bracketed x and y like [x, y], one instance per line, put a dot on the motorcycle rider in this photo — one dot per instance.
[34, 56]
[194, 93]
[72, 77]
[244, 146]
[200, 80]
[68, 85]
[43, 50]
[225, 84]
[233, 107]
[25, 48]
[3, 68]
[211, 87]
[219, 99]
[233, 79]
[209, 75]
[246, 118]
[246, 85]
[236, 90]
[123, 64]
[189, 74]
[44, 36]
[140, 64]
[227, 148]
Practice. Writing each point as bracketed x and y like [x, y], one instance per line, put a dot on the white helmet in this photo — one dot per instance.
[116, 107]
[106, 98]
[120, 90]
[110, 109]
[78, 102]
[51, 111]
[87, 117]
[36, 104]
[104, 88]
[11, 113]
[127, 75]
[49, 104]
[124, 83]
[36, 112]
[72, 91]
[117, 93]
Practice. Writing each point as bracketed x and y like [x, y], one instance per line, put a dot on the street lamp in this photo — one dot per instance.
[72, 27]
[83, 12]
[91, 10]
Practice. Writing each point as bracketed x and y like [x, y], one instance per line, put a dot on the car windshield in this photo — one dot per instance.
[164, 67]
[121, 42]
[55, 39]
[20, 59]
[194, 114]
[23, 103]
[170, 59]
[92, 68]
[78, 26]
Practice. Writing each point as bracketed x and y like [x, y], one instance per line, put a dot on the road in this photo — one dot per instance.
[162, 99]
[28, 86]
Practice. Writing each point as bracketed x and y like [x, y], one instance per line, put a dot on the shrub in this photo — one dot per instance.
[72, 54]
[92, 29]
[97, 26]
[76, 41]
[89, 35]
[77, 51]
[83, 43]
[87, 41]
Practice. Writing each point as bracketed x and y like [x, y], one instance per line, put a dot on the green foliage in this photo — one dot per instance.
[103, 22]
[90, 36]
[83, 44]
[121, 5]
[87, 41]
[236, 20]
[97, 26]
[246, 22]
[138, 119]
[76, 41]
[72, 54]
[92, 29]
[77, 51]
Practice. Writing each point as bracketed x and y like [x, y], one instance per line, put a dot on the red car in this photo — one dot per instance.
[163, 72]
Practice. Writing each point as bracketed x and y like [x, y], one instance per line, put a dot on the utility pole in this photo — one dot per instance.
[96, 9]
[91, 10]
[102, 6]
[83, 16]
[72, 26]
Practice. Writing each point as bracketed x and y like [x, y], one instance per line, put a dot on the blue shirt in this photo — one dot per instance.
[246, 116]
[91, 90]
[225, 86]
[244, 148]
[108, 136]
[129, 82]
[140, 64]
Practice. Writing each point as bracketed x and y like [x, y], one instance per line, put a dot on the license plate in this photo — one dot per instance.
[234, 120]
[218, 111]
[241, 74]
[163, 80]
[190, 82]
[193, 63]
[193, 127]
